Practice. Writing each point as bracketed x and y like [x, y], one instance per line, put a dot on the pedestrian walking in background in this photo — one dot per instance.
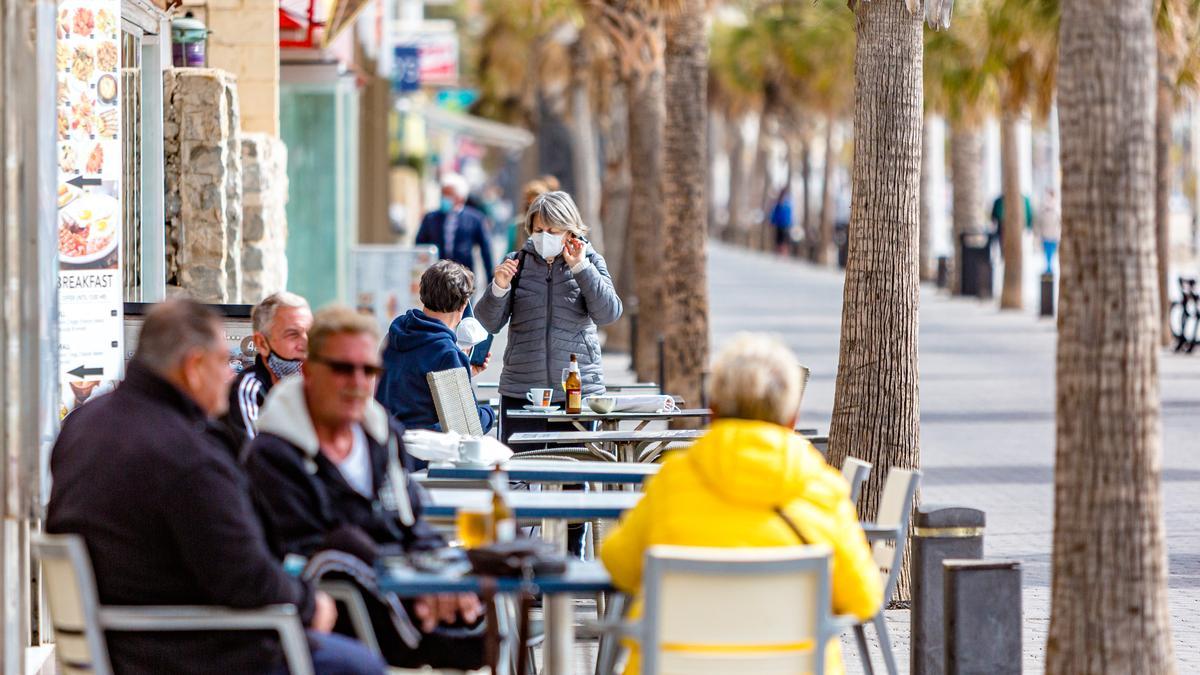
[517, 230]
[151, 482]
[280, 323]
[1048, 226]
[457, 229]
[781, 220]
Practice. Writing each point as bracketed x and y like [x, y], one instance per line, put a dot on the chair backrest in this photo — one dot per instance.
[855, 471]
[455, 401]
[73, 604]
[743, 610]
[805, 373]
[895, 510]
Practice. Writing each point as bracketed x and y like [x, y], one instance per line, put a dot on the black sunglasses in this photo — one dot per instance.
[346, 369]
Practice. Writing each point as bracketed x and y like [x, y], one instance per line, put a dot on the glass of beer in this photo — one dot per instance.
[474, 527]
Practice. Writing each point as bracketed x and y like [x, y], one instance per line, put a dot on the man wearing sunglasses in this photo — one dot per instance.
[331, 464]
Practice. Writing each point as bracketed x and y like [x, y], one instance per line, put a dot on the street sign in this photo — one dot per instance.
[406, 69]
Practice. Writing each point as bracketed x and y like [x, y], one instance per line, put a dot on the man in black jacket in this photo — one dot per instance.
[281, 322]
[166, 512]
[331, 463]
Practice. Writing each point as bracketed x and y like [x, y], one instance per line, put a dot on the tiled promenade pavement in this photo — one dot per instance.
[987, 423]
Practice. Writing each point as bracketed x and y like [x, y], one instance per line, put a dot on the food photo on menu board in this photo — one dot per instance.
[88, 64]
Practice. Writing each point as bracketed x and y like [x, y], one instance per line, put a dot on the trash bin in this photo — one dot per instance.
[841, 237]
[189, 36]
[976, 273]
[940, 532]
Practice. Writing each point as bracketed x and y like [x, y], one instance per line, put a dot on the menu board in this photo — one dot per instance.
[88, 59]
[385, 281]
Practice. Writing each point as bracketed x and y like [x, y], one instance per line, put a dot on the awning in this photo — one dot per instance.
[485, 131]
[299, 20]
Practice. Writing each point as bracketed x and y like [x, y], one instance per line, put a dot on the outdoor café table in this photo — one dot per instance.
[554, 471]
[609, 421]
[629, 445]
[553, 506]
[580, 578]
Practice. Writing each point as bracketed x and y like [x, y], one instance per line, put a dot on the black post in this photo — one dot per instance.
[1047, 308]
[939, 532]
[662, 364]
[633, 334]
[943, 271]
[983, 617]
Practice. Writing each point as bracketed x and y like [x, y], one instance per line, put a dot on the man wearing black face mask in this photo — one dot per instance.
[281, 324]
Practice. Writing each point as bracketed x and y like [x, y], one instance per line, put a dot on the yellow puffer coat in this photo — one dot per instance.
[723, 491]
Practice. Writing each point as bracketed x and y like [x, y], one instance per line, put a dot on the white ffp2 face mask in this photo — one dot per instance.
[548, 245]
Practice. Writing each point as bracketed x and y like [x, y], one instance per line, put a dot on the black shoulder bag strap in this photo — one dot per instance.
[791, 525]
[520, 268]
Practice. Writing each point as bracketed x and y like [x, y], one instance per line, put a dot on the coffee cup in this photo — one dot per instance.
[539, 397]
[470, 450]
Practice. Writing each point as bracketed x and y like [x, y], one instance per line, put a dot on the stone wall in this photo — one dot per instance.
[264, 216]
[202, 145]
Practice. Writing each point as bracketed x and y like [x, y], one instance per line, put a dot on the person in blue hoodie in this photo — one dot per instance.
[423, 341]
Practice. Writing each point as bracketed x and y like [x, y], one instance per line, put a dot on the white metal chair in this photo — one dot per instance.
[888, 536]
[736, 610]
[855, 471]
[454, 400]
[80, 621]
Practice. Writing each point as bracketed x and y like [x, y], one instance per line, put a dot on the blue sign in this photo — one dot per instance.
[406, 70]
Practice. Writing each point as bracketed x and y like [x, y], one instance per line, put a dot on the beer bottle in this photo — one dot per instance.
[574, 388]
[504, 522]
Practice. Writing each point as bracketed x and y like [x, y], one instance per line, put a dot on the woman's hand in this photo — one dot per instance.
[505, 273]
[476, 370]
[573, 251]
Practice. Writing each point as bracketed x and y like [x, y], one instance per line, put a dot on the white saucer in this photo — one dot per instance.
[542, 408]
[459, 464]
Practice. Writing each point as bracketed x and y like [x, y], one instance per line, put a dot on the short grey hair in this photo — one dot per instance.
[264, 312]
[337, 319]
[457, 183]
[756, 377]
[174, 328]
[556, 209]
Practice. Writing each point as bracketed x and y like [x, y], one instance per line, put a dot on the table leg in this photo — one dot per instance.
[554, 530]
[560, 632]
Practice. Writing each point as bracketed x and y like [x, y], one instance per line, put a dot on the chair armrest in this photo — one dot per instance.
[880, 532]
[840, 623]
[617, 628]
[282, 619]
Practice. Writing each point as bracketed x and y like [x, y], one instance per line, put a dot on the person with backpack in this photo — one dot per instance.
[553, 293]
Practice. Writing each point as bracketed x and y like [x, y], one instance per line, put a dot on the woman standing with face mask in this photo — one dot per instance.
[553, 293]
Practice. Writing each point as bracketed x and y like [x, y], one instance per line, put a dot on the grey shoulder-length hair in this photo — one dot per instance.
[556, 209]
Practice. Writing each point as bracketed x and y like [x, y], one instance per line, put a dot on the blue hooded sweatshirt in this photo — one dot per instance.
[416, 346]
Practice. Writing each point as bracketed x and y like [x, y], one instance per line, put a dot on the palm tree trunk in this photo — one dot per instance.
[684, 195]
[1162, 200]
[875, 407]
[614, 209]
[966, 158]
[1109, 609]
[737, 182]
[1011, 296]
[645, 236]
[808, 223]
[826, 251]
[928, 269]
[586, 161]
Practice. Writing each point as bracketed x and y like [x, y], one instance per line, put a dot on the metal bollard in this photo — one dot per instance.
[940, 531]
[662, 364]
[983, 617]
[633, 335]
[943, 271]
[1047, 308]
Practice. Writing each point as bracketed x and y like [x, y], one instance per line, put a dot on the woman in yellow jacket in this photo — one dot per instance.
[725, 489]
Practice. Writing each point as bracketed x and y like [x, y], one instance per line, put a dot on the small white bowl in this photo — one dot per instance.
[601, 404]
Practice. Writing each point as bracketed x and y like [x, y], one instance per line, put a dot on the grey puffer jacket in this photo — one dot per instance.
[551, 315]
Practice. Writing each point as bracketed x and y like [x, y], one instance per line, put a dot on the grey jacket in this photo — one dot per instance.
[551, 315]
